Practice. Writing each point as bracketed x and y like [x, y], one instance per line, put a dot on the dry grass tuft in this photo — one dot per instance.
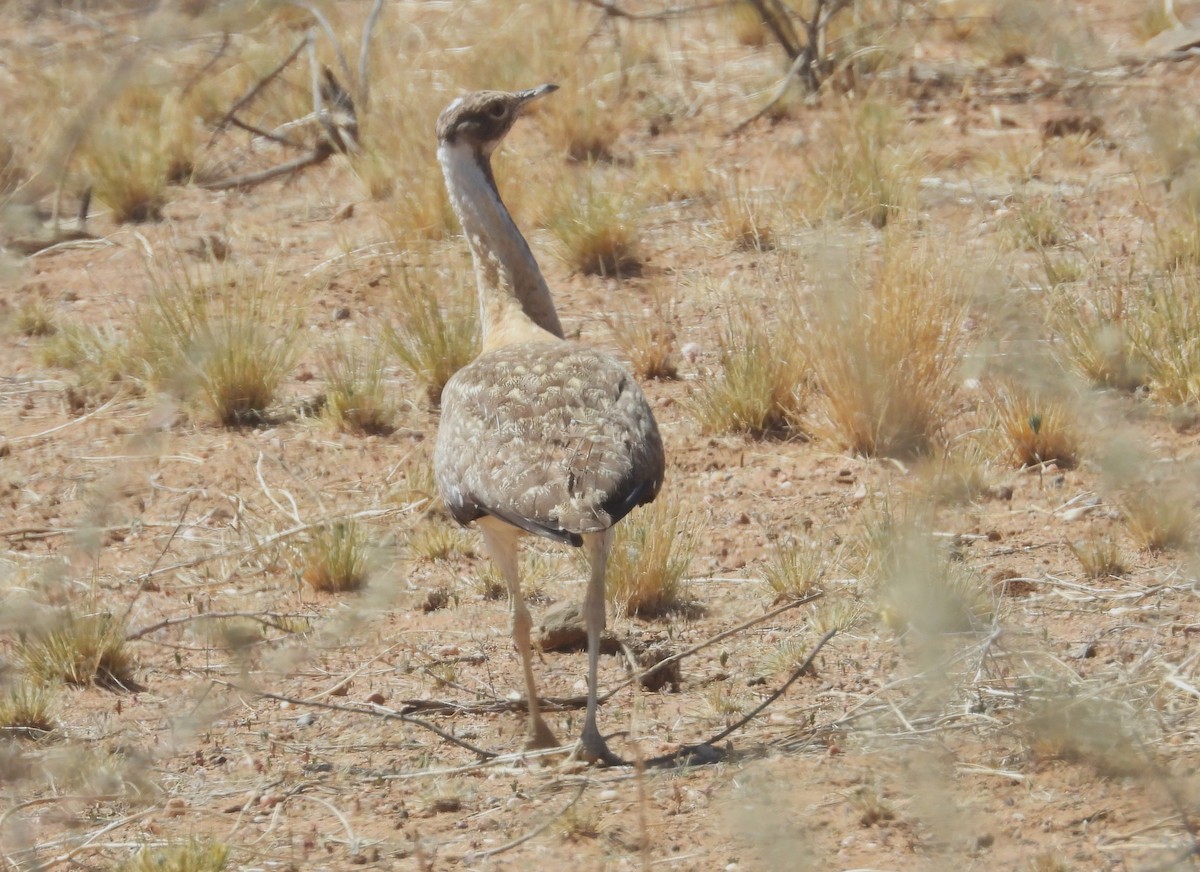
[867, 166]
[436, 335]
[743, 219]
[1039, 428]
[1095, 334]
[1158, 516]
[763, 384]
[356, 394]
[650, 555]
[1099, 556]
[1164, 334]
[35, 317]
[145, 142]
[920, 586]
[597, 230]
[191, 856]
[796, 571]
[648, 339]
[885, 346]
[228, 335]
[337, 559]
[79, 649]
[27, 711]
[1067, 721]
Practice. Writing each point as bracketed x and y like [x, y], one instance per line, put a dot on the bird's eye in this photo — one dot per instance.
[496, 110]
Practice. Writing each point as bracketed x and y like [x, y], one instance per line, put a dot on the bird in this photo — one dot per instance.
[538, 435]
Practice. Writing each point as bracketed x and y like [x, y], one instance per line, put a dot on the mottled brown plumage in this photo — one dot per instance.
[538, 435]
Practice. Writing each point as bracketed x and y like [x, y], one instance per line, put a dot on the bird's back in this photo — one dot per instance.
[552, 437]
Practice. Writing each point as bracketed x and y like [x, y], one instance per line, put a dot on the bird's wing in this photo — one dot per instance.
[554, 438]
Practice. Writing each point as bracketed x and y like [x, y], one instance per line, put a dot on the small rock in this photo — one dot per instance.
[341, 313]
[376, 699]
[306, 720]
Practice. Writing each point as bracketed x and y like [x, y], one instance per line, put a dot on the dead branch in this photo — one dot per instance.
[254, 90]
[320, 153]
[364, 57]
[808, 61]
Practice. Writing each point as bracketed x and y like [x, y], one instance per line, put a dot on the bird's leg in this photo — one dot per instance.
[501, 542]
[595, 749]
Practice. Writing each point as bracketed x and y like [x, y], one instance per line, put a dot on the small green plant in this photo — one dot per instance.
[1099, 556]
[762, 387]
[191, 856]
[597, 230]
[433, 337]
[337, 559]
[650, 555]
[886, 347]
[648, 339]
[356, 395]
[1038, 428]
[796, 571]
[79, 649]
[27, 711]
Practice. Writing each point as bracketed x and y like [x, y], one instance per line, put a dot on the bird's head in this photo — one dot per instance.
[483, 118]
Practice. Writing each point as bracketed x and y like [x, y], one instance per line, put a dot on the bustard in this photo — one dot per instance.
[537, 435]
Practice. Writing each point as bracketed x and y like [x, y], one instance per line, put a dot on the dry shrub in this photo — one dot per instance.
[743, 218]
[885, 344]
[762, 387]
[650, 555]
[79, 649]
[1039, 428]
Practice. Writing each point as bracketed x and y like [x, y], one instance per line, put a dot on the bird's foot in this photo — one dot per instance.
[540, 737]
[593, 749]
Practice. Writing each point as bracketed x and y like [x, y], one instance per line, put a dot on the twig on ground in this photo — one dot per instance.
[260, 617]
[376, 710]
[470, 858]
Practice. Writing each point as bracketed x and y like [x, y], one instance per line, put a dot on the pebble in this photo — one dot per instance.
[306, 720]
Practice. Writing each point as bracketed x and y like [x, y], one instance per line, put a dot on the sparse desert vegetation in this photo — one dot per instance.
[920, 326]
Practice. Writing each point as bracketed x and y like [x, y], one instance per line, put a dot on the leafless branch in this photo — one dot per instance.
[364, 58]
[229, 117]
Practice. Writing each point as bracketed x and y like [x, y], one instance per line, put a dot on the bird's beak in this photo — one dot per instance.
[527, 97]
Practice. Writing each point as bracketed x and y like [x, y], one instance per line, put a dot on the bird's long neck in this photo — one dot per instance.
[515, 304]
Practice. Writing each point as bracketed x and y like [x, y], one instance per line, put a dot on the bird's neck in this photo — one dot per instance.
[514, 302]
